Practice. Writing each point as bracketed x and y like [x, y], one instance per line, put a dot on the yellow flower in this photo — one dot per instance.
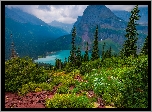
[109, 106]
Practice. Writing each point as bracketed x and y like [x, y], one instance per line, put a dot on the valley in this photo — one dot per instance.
[100, 61]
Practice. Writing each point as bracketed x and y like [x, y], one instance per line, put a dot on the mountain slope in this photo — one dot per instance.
[29, 33]
[66, 27]
[125, 15]
[110, 27]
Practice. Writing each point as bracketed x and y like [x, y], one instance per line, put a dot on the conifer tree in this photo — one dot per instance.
[130, 47]
[109, 52]
[65, 62]
[13, 51]
[103, 52]
[58, 63]
[144, 49]
[86, 56]
[95, 52]
[73, 49]
[78, 57]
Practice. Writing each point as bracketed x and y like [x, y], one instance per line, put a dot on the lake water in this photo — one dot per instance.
[50, 59]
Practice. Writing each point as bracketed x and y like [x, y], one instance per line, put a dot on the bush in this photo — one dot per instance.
[69, 67]
[61, 77]
[88, 66]
[33, 87]
[135, 90]
[109, 88]
[63, 89]
[125, 86]
[19, 71]
[68, 101]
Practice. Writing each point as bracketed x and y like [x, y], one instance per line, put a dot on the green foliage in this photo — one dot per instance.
[72, 56]
[46, 66]
[34, 87]
[95, 52]
[121, 82]
[68, 101]
[78, 57]
[68, 68]
[106, 54]
[144, 50]
[109, 88]
[86, 56]
[130, 47]
[136, 84]
[19, 71]
[61, 77]
[63, 89]
[88, 66]
[58, 64]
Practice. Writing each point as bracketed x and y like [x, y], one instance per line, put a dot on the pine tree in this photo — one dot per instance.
[109, 52]
[58, 63]
[78, 61]
[13, 51]
[65, 62]
[130, 47]
[86, 55]
[95, 52]
[144, 49]
[73, 50]
[103, 52]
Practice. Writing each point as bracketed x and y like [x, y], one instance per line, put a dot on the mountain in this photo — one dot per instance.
[125, 15]
[29, 33]
[22, 17]
[66, 27]
[110, 27]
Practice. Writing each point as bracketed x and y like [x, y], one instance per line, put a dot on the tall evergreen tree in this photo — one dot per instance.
[86, 55]
[58, 63]
[13, 51]
[130, 47]
[73, 49]
[78, 61]
[95, 52]
[65, 62]
[144, 49]
[109, 52]
[103, 52]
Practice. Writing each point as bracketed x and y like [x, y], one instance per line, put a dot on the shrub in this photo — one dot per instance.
[68, 101]
[135, 90]
[63, 89]
[69, 67]
[109, 88]
[19, 71]
[34, 87]
[65, 79]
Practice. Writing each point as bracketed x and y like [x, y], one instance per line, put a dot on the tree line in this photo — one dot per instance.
[129, 47]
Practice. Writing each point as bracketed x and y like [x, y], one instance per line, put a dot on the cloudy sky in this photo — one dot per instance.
[63, 13]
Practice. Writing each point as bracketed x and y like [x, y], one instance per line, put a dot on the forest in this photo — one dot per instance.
[120, 80]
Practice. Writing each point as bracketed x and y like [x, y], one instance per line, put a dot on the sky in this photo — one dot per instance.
[63, 13]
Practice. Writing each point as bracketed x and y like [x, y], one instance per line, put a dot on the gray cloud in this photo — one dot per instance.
[63, 13]
[44, 7]
[123, 7]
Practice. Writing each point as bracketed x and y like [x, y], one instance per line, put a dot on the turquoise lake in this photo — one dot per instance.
[50, 59]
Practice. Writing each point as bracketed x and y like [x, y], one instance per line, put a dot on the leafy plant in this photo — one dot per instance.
[68, 101]
[63, 89]
[34, 87]
[19, 71]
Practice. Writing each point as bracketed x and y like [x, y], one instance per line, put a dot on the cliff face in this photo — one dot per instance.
[98, 15]
[111, 29]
